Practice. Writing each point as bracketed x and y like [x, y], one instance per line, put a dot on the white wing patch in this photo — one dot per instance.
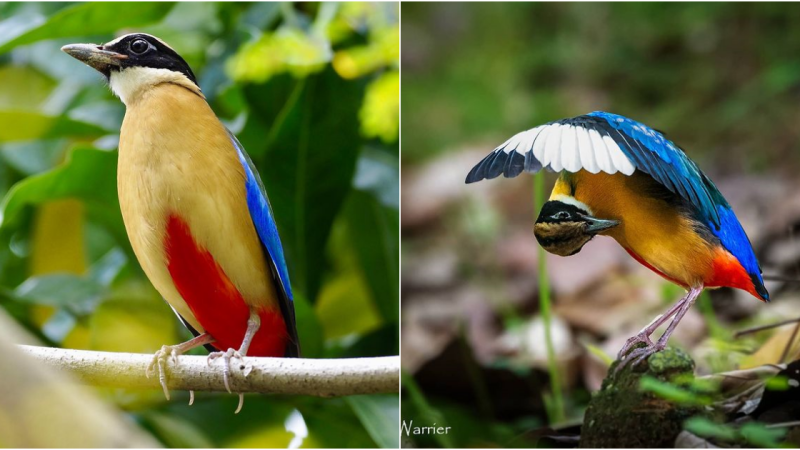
[528, 137]
[600, 151]
[571, 148]
[570, 158]
[618, 159]
[551, 152]
[540, 142]
[587, 158]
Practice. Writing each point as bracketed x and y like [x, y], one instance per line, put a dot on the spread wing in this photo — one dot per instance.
[606, 142]
[264, 221]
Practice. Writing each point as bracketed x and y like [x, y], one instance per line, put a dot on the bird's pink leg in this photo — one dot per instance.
[644, 335]
[640, 354]
[253, 324]
[160, 359]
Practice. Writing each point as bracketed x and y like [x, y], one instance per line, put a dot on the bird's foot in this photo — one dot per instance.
[640, 338]
[159, 362]
[637, 355]
[227, 356]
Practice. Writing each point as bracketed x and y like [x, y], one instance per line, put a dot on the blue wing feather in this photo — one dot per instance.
[669, 165]
[652, 153]
[735, 240]
[649, 151]
[264, 222]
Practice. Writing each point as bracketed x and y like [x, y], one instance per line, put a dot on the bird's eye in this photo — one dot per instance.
[561, 215]
[139, 46]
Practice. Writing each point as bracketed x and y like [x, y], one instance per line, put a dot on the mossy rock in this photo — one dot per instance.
[621, 415]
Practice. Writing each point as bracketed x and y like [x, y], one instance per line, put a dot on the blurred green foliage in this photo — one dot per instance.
[751, 434]
[312, 91]
[720, 79]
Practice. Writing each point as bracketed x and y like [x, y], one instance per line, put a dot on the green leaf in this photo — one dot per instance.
[705, 427]
[599, 353]
[132, 322]
[381, 110]
[378, 174]
[427, 412]
[79, 20]
[23, 88]
[26, 125]
[380, 342]
[288, 49]
[373, 230]
[308, 167]
[344, 305]
[373, 220]
[32, 157]
[88, 174]
[778, 383]
[380, 415]
[65, 290]
[333, 424]
[671, 392]
[175, 431]
[759, 435]
[309, 329]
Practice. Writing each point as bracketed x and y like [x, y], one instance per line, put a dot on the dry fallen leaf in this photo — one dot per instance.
[775, 348]
[690, 440]
[742, 389]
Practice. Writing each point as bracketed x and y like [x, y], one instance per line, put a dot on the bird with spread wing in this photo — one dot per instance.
[622, 179]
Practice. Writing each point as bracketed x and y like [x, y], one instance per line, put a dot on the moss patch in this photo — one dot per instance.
[620, 415]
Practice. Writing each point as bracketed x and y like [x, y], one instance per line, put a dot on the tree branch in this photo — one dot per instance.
[294, 376]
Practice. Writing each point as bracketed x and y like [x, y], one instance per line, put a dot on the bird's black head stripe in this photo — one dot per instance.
[553, 207]
[157, 55]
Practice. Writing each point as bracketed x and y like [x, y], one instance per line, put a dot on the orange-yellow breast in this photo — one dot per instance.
[176, 160]
[651, 229]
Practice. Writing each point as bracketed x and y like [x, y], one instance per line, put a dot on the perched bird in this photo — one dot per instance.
[194, 207]
[622, 179]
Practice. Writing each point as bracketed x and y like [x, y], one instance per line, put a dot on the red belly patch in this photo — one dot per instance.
[728, 272]
[213, 298]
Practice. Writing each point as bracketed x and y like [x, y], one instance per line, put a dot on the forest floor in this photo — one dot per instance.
[473, 338]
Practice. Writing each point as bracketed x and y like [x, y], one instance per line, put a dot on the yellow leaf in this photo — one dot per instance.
[772, 350]
[131, 325]
[57, 245]
[599, 353]
[383, 50]
[286, 50]
[345, 307]
[78, 338]
[380, 113]
[58, 238]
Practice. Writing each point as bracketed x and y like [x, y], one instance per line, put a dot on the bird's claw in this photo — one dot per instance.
[637, 355]
[640, 338]
[226, 356]
[159, 362]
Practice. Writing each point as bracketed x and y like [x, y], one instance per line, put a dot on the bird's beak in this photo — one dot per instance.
[595, 225]
[94, 56]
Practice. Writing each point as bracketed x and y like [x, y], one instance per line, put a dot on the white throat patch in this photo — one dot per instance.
[574, 202]
[129, 83]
